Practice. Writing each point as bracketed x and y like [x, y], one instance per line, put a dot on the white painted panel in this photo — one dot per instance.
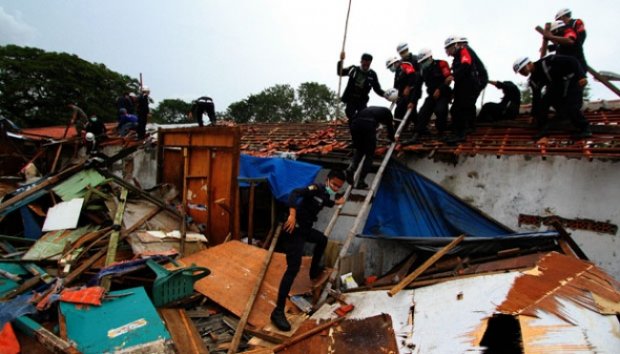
[447, 315]
[63, 215]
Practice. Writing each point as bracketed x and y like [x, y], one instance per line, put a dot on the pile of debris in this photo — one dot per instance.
[91, 262]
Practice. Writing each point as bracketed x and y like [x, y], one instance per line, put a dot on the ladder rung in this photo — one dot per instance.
[348, 214]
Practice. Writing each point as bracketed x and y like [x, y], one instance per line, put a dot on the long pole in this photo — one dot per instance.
[344, 40]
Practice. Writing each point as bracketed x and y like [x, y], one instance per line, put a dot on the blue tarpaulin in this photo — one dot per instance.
[283, 175]
[410, 205]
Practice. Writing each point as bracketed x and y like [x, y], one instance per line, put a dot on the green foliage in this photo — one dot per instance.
[280, 104]
[36, 87]
[172, 111]
[526, 93]
[317, 101]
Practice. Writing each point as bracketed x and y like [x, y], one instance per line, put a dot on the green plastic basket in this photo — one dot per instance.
[176, 284]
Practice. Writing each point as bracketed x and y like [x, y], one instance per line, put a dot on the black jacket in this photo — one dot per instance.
[467, 66]
[512, 94]
[359, 84]
[313, 198]
[380, 115]
[434, 76]
[560, 74]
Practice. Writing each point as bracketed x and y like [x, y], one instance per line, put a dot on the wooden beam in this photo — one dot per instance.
[184, 201]
[429, 262]
[248, 307]
[183, 332]
[569, 240]
[114, 237]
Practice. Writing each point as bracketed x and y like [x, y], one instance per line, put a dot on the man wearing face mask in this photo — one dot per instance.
[298, 230]
[361, 79]
[437, 77]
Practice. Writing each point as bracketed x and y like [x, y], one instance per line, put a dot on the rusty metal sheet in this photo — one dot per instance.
[370, 335]
[234, 270]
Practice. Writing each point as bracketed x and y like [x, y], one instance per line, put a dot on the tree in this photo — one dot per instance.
[317, 101]
[279, 104]
[526, 93]
[172, 111]
[36, 86]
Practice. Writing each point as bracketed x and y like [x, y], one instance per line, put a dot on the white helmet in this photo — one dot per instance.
[463, 40]
[391, 61]
[402, 47]
[556, 25]
[391, 94]
[90, 137]
[562, 12]
[451, 40]
[146, 89]
[520, 63]
[424, 54]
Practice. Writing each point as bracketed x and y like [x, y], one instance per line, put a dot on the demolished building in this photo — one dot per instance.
[486, 188]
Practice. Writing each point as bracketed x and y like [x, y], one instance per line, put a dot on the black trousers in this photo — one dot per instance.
[141, 130]
[464, 106]
[439, 107]
[492, 112]
[294, 248]
[364, 136]
[353, 107]
[401, 110]
[566, 107]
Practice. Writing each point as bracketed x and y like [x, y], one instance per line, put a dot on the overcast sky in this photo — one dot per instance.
[230, 49]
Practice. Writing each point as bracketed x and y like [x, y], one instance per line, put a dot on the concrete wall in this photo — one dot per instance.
[511, 185]
[505, 187]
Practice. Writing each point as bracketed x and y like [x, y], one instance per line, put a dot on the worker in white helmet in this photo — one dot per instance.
[563, 80]
[470, 78]
[564, 41]
[408, 81]
[437, 77]
[565, 15]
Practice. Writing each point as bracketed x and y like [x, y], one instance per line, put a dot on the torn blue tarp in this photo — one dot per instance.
[410, 205]
[283, 175]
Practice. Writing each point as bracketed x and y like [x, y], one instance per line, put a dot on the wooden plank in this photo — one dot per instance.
[248, 307]
[234, 267]
[298, 338]
[183, 332]
[429, 262]
[114, 237]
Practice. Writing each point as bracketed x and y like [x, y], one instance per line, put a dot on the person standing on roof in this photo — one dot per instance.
[565, 15]
[125, 102]
[143, 112]
[408, 81]
[470, 77]
[361, 79]
[200, 106]
[507, 108]
[564, 80]
[364, 136]
[565, 41]
[298, 230]
[437, 77]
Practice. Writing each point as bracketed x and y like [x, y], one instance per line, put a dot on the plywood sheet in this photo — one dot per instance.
[234, 270]
[63, 215]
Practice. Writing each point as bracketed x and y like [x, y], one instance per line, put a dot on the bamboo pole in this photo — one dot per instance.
[344, 40]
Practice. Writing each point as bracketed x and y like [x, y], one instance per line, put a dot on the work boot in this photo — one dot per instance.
[414, 139]
[541, 134]
[315, 273]
[586, 133]
[278, 318]
[455, 139]
[349, 174]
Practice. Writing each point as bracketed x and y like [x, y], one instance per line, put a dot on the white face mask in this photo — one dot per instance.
[425, 64]
[330, 191]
